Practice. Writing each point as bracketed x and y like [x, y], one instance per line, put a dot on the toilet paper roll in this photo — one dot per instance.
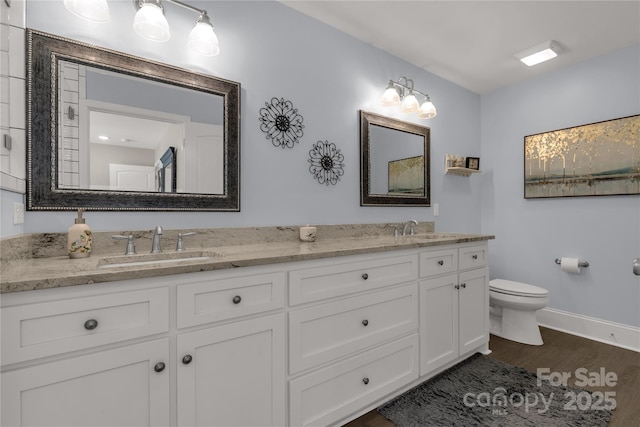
[308, 234]
[570, 265]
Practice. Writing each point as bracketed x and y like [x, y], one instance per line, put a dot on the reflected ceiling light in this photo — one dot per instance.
[91, 10]
[103, 138]
[540, 53]
[402, 93]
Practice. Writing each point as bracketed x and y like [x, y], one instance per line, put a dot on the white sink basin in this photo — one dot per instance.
[156, 259]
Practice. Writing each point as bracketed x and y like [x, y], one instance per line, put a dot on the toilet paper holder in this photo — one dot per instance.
[580, 263]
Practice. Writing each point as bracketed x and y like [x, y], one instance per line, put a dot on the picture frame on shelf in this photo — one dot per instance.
[472, 163]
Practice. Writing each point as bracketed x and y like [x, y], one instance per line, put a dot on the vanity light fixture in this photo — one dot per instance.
[540, 53]
[401, 93]
[151, 24]
[91, 10]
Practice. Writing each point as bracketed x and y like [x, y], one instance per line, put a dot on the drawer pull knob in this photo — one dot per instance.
[441, 262]
[464, 285]
[187, 359]
[237, 299]
[457, 286]
[365, 276]
[475, 256]
[91, 324]
[365, 322]
[159, 367]
[365, 380]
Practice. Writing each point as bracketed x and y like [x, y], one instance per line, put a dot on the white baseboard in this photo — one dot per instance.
[588, 327]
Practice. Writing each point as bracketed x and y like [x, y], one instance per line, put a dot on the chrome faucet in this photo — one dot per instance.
[411, 223]
[156, 243]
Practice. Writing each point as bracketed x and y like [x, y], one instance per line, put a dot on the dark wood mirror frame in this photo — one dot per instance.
[43, 192]
[366, 198]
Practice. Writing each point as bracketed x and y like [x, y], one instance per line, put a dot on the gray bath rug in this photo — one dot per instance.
[482, 391]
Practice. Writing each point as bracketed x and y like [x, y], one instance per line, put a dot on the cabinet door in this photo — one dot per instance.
[111, 388]
[474, 309]
[235, 375]
[438, 322]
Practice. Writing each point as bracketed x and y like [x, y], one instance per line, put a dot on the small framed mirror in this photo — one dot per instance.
[394, 162]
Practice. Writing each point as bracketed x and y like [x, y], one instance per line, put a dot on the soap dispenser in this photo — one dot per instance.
[79, 238]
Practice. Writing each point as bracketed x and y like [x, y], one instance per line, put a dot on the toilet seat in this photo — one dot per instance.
[509, 287]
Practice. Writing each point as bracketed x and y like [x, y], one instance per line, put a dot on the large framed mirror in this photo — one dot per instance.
[111, 131]
[394, 162]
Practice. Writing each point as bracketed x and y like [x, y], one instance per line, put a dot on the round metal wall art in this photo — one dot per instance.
[326, 162]
[281, 122]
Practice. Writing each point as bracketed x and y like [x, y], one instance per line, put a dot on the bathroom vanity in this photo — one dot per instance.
[280, 333]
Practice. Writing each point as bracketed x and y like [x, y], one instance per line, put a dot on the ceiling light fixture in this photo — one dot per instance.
[402, 93]
[91, 10]
[540, 53]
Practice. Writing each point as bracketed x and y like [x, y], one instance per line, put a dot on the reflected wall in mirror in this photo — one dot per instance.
[110, 131]
[394, 163]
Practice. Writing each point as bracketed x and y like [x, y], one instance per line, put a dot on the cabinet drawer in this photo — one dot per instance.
[473, 257]
[213, 300]
[332, 393]
[332, 280]
[438, 262]
[325, 332]
[44, 329]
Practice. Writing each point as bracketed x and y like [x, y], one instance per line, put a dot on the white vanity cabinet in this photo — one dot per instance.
[311, 342]
[231, 374]
[121, 385]
[347, 351]
[454, 304]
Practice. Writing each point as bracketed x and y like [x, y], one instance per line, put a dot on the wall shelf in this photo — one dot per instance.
[460, 171]
[452, 166]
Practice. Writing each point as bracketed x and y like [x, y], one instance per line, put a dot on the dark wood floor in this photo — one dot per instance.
[564, 353]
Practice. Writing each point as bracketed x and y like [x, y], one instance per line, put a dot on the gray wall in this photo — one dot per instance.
[274, 51]
[531, 233]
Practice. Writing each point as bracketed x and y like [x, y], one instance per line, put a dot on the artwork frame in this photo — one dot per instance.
[595, 159]
[472, 163]
[406, 176]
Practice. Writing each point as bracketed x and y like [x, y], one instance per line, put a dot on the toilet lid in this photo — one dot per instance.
[516, 288]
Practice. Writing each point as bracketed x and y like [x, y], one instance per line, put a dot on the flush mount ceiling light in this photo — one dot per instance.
[540, 53]
[402, 93]
[91, 10]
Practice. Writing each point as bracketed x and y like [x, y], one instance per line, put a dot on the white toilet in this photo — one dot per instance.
[513, 307]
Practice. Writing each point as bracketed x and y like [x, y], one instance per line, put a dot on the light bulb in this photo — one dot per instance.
[91, 10]
[151, 24]
[427, 110]
[203, 39]
[409, 104]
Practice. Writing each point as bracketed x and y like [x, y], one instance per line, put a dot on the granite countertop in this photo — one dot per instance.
[32, 272]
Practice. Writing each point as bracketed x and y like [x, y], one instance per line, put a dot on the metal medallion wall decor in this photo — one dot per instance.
[281, 122]
[326, 162]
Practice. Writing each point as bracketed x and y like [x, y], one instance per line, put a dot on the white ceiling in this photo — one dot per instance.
[474, 43]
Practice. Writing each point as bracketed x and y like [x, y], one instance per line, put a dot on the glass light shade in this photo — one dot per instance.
[203, 40]
[409, 104]
[91, 10]
[427, 110]
[151, 24]
[390, 98]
